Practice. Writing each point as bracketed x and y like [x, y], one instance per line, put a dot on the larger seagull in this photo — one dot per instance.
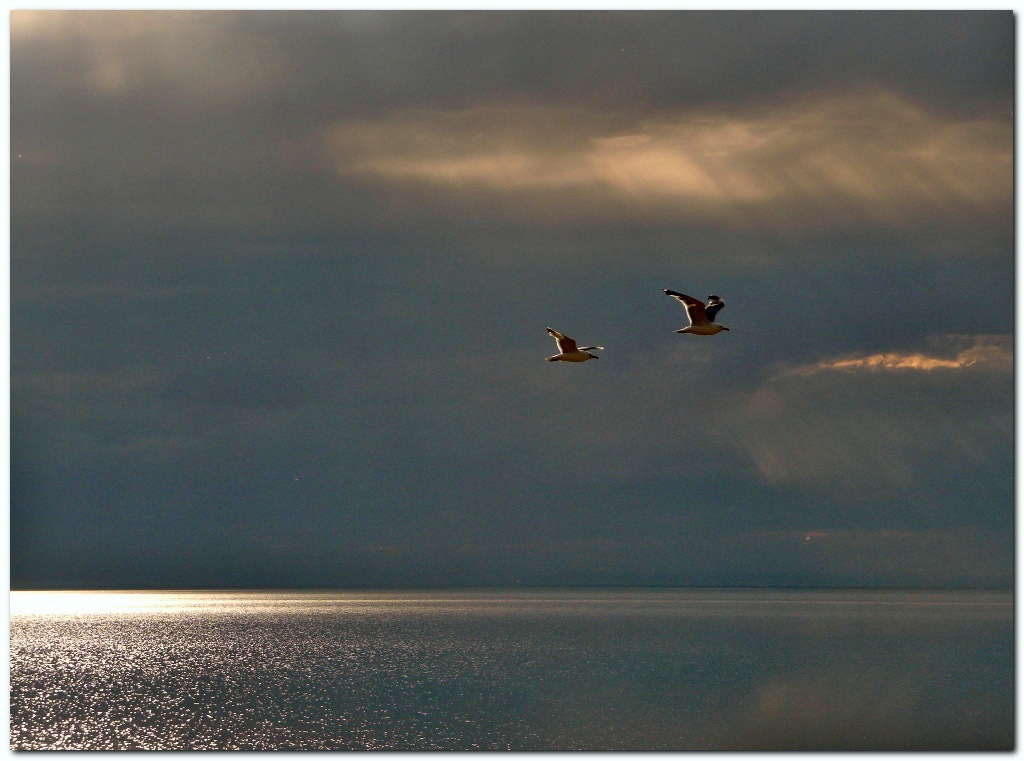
[701, 315]
[567, 350]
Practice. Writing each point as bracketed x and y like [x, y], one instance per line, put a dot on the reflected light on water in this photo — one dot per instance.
[64, 603]
[515, 670]
[694, 603]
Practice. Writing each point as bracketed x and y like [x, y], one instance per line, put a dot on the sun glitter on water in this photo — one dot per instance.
[64, 603]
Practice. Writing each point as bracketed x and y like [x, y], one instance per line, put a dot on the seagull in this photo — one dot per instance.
[701, 316]
[567, 351]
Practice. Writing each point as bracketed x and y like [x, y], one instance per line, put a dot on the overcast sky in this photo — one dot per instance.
[280, 284]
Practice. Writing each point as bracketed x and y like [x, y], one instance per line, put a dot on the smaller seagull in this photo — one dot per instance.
[701, 316]
[568, 352]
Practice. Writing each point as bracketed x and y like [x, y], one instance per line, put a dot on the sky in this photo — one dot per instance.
[280, 284]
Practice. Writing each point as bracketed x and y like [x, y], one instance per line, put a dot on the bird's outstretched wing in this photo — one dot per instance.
[694, 308]
[587, 348]
[714, 306]
[565, 344]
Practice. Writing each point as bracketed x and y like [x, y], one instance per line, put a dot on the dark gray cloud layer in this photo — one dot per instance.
[242, 357]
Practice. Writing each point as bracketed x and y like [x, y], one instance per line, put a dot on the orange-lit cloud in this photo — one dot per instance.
[862, 156]
[986, 352]
[875, 426]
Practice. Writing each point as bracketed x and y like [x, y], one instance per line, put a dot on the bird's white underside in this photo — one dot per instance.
[704, 329]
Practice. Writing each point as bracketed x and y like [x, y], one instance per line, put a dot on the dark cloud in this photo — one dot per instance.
[280, 283]
[168, 120]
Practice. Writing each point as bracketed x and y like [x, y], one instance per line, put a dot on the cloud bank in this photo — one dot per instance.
[281, 281]
[867, 156]
[894, 426]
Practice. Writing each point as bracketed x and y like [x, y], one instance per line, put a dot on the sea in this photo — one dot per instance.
[519, 670]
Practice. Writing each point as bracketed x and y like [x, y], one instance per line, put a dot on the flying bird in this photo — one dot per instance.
[567, 350]
[701, 315]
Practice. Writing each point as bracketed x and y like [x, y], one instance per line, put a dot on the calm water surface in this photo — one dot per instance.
[532, 670]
